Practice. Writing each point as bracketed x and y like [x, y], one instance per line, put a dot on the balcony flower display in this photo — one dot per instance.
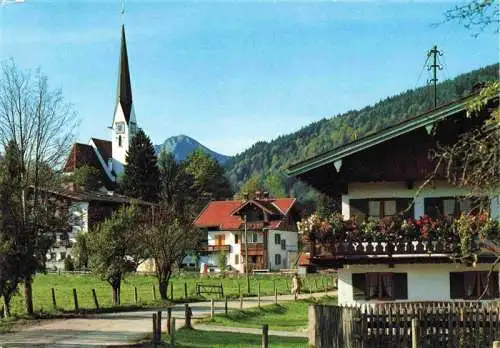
[445, 231]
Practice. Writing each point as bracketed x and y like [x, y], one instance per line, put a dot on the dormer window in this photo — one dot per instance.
[120, 127]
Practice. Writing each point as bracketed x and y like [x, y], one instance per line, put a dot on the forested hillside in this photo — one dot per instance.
[264, 158]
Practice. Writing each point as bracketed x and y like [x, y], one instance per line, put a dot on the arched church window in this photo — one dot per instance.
[119, 141]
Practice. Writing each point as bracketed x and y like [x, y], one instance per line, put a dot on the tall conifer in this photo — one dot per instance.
[141, 178]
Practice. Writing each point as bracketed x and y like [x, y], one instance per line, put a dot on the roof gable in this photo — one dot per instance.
[223, 214]
[337, 154]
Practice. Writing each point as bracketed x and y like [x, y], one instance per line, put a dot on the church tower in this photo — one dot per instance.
[124, 125]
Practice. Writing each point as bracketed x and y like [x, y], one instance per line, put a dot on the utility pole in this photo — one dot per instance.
[246, 255]
[434, 66]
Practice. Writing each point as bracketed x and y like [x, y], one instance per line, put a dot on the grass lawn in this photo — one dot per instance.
[204, 339]
[63, 285]
[287, 316]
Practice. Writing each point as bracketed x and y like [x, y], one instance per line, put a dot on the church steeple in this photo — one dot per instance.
[124, 88]
[124, 125]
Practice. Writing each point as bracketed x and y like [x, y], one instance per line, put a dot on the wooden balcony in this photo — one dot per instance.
[215, 248]
[335, 249]
[254, 249]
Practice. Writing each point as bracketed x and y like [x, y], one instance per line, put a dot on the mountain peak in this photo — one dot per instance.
[182, 145]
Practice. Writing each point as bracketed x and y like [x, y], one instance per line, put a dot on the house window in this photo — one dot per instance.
[236, 237]
[471, 285]
[62, 256]
[252, 238]
[381, 207]
[236, 259]
[119, 141]
[277, 238]
[283, 244]
[380, 286]
[277, 259]
[52, 256]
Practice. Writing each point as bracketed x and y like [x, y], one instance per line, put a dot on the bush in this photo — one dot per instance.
[69, 264]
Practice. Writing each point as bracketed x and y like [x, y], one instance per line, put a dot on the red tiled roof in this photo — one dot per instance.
[221, 214]
[104, 147]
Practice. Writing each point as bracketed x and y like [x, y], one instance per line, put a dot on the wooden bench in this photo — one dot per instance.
[209, 289]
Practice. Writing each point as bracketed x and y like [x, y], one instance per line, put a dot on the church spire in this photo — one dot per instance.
[124, 88]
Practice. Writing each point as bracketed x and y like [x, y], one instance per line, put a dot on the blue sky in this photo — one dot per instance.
[232, 73]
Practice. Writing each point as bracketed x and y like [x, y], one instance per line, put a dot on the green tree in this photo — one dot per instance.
[221, 261]
[141, 178]
[275, 185]
[81, 251]
[87, 178]
[113, 245]
[40, 124]
[209, 178]
[10, 201]
[177, 186]
[168, 239]
[249, 187]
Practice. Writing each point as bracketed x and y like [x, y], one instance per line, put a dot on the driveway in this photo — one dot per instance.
[114, 329]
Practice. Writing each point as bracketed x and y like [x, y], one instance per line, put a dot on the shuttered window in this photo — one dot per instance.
[471, 285]
[380, 286]
[358, 286]
[381, 207]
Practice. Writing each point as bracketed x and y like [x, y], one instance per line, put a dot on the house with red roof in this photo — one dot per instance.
[270, 227]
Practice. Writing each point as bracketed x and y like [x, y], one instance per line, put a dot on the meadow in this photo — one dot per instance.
[64, 283]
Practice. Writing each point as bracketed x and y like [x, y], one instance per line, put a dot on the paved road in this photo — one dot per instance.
[114, 329]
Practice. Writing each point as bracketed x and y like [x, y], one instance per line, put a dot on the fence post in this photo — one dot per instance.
[154, 292]
[258, 293]
[53, 292]
[265, 337]
[94, 296]
[158, 325]
[275, 296]
[172, 291]
[225, 306]
[185, 290]
[212, 309]
[187, 314]
[135, 294]
[75, 299]
[169, 320]
[154, 328]
[414, 333]
[241, 301]
[239, 288]
[172, 336]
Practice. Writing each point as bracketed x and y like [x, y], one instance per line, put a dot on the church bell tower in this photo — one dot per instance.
[124, 125]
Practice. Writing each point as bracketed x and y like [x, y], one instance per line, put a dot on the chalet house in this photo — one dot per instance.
[86, 209]
[395, 241]
[270, 225]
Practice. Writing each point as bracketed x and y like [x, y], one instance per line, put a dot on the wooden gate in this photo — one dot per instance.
[444, 324]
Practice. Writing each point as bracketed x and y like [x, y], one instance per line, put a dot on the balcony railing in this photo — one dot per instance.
[254, 249]
[216, 248]
[388, 248]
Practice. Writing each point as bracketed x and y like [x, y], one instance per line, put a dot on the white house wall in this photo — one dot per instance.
[291, 239]
[426, 282]
[229, 239]
[79, 220]
[358, 190]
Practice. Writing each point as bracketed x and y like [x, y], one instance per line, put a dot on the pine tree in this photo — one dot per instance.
[141, 178]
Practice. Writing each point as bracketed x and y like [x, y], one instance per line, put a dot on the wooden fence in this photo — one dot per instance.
[439, 324]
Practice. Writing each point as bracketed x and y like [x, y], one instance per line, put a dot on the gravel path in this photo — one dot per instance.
[125, 328]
